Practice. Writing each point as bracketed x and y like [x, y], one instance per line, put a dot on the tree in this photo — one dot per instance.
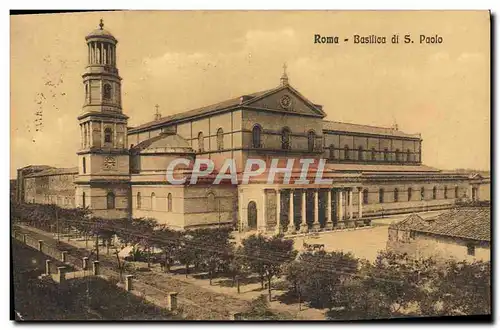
[401, 280]
[465, 288]
[213, 249]
[168, 241]
[186, 253]
[320, 274]
[237, 267]
[266, 256]
[296, 274]
[357, 302]
[259, 310]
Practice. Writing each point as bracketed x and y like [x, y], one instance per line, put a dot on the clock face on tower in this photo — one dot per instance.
[109, 163]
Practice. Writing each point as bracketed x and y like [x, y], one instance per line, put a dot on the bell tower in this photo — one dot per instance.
[103, 170]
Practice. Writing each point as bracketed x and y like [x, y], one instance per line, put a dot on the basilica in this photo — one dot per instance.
[122, 170]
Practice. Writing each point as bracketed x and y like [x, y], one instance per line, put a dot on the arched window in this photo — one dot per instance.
[139, 201]
[381, 195]
[365, 196]
[256, 131]
[106, 94]
[410, 193]
[445, 192]
[434, 193]
[396, 195]
[285, 138]
[220, 139]
[211, 205]
[374, 154]
[398, 155]
[422, 193]
[360, 153]
[346, 152]
[84, 202]
[386, 154]
[153, 201]
[311, 139]
[110, 201]
[408, 155]
[331, 151]
[84, 165]
[456, 192]
[201, 147]
[108, 135]
[169, 202]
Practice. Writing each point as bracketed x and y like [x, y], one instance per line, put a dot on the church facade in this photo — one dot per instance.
[122, 170]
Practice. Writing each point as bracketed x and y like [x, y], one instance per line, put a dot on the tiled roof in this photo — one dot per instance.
[380, 168]
[366, 129]
[468, 222]
[55, 171]
[240, 100]
[164, 143]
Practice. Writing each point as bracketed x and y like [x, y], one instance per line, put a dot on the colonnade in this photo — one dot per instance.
[335, 208]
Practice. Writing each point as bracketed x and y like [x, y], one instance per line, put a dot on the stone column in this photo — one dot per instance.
[291, 214]
[262, 226]
[85, 263]
[63, 256]
[316, 225]
[24, 238]
[95, 268]
[240, 212]
[102, 134]
[128, 282]
[360, 202]
[91, 135]
[61, 274]
[91, 55]
[303, 223]
[350, 204]
[40, 245]
[172, 301]
[278, 212]
[329, 223]
[114, 135]
[340, 207]
[101, 58]
[47, 266]
[81, 129]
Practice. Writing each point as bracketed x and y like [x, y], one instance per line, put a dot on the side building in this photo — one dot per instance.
[462, 234]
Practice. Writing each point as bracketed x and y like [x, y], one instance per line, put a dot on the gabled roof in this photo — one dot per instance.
[412, 222]
[237, 101]
[366, 129]
[379, 168]
[164, 143]
[243, 100]
[55, 171]
[468, 222]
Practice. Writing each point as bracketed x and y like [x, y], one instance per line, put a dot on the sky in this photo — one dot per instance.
[182, 60]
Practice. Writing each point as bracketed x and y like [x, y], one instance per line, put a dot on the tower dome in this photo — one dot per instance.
[101, 33]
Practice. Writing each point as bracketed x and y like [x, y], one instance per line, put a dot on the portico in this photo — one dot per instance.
[292, 209]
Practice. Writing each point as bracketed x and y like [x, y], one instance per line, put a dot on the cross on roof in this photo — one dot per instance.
[284, 76]
[157, 113]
